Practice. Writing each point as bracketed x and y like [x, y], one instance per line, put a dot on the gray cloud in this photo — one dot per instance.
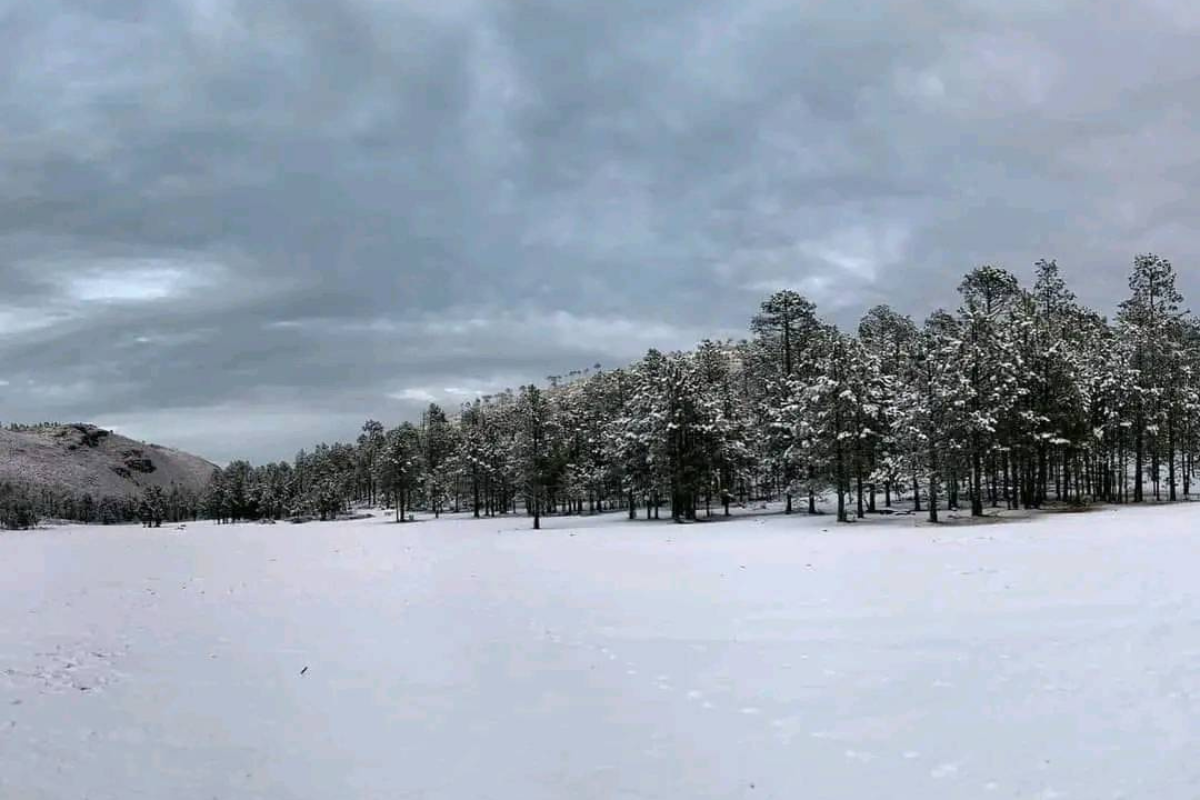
[244, 225]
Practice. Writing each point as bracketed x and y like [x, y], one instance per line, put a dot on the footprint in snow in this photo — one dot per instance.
[943, 771]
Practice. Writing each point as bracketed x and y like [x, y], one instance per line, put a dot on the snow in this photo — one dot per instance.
[766, 657]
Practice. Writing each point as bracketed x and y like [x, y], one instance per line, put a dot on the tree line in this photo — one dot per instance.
[1018, 397]
[24, 505]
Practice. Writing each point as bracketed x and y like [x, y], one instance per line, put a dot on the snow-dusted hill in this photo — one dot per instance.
[766, 657]
[86, 459]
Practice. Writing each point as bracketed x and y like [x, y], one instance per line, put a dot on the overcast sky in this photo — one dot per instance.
[242, 227]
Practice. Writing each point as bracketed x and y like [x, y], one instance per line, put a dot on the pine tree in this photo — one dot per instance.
[1151, 319]
[437, 444]
[399, 467]
[153, 507]
[533, 437]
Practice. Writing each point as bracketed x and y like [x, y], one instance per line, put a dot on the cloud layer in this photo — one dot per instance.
[243, 225]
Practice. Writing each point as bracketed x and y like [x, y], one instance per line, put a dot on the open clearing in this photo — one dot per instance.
[766, 657]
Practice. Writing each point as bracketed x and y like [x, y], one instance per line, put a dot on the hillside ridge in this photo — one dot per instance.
[81, 458]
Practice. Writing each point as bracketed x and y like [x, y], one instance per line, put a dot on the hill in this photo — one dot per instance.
[83, 459]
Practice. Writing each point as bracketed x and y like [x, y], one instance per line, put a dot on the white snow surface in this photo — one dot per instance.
[764, 657]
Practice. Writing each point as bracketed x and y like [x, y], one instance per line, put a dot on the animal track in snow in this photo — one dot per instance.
[82, 669]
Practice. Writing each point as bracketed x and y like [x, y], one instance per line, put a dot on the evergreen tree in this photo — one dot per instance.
[533, 448]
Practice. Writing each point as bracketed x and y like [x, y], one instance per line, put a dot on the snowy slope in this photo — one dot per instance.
[86, 459]
[767, 657]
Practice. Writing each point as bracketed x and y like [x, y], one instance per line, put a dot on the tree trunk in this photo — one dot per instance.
[1138, 463]
[858, 511]
[933, 481]
[976, 480]
[1171, 457]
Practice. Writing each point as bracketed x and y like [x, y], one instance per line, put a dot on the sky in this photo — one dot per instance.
[240, 227]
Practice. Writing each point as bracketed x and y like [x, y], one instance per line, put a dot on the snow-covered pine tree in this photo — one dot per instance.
[437, 443]
[1151, 321]
[533, 446]
[399, 467]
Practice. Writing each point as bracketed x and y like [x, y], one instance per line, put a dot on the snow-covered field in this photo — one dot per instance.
[767, 657]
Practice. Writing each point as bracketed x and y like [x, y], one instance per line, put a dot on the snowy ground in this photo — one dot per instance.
[767, 657]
